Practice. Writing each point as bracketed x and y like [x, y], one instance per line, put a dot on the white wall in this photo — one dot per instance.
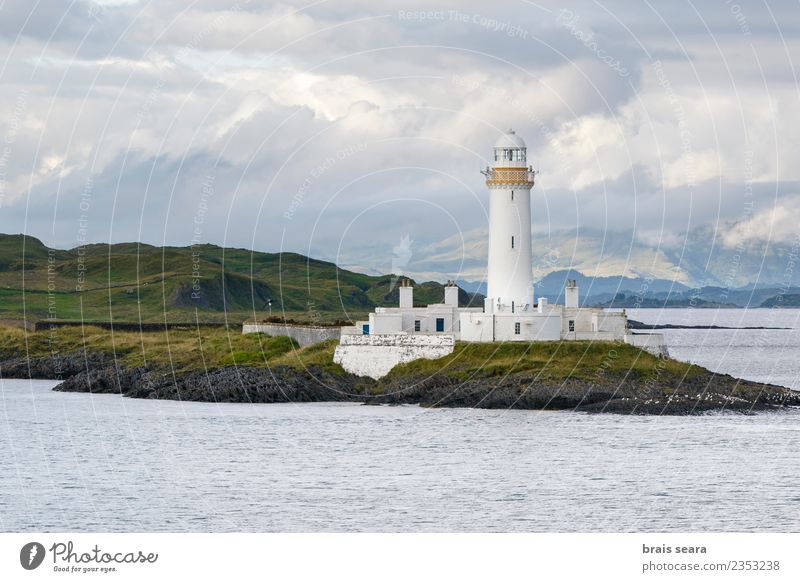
[610, 321]
[476, 327]
[406, 297]
[510, 271]
[396, 320]
[583, 322]
[305, 335]
[376, 355]
[385, 323]
[533, 326]
[650, 342]
[571, 298]
[451, 296]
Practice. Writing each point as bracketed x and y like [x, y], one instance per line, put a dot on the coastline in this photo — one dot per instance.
[614, 391]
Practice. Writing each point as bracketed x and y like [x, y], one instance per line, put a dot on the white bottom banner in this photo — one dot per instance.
[372, 557]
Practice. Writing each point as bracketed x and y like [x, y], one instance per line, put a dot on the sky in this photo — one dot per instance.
[355, 131]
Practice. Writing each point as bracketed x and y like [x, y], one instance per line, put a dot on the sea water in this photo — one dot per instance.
[83, 462]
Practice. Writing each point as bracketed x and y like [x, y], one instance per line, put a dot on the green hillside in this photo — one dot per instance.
[138, 282]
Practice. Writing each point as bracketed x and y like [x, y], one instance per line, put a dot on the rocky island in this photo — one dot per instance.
[219, 365]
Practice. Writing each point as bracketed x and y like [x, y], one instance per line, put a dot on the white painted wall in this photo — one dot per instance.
[610, 321]
[305, 335]
[396, 320]
[533, 326]
[571, 298]
[477, 327]
[510, 273]
[385, 323]
[650, 342]
[376, 355]
[451, 296]
[406, 297]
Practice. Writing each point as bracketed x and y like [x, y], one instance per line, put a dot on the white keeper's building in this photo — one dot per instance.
[510, 312]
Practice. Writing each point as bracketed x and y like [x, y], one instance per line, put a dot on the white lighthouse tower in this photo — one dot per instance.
[510, 274]
[394, 335]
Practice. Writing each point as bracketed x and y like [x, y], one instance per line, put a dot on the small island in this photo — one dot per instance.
[215, 364]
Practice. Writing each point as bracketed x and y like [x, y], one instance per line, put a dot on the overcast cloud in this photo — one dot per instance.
[339, 128]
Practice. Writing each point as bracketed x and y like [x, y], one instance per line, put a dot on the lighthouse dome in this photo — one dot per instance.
[510, 140]
[510, 151]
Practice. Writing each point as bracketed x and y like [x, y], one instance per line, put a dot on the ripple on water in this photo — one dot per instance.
[86, 463]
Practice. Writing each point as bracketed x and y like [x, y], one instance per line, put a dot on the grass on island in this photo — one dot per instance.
[553, 360]
[177, 349]
[209, 348]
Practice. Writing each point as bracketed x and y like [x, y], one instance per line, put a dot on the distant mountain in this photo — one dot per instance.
[139, 282]
[639, 292]
[592, 289]
[787, 300]
[699, 258]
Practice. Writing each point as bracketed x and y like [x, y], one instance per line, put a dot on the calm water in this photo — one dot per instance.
[766, 355]
[101, 462]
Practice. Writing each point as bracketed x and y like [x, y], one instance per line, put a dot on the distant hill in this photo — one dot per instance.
[788, 300]
[139, 282]
[696, 258]
[651, 293]
[593, 290]
[552, 285]
[633, 301]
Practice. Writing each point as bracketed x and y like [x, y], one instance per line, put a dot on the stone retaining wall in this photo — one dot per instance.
[375, 355]
[305, 335]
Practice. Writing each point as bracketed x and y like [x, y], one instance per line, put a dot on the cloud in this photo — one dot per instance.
[776, 224]
[145, 100]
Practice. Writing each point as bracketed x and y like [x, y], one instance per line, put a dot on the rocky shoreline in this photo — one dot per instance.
[615, 393]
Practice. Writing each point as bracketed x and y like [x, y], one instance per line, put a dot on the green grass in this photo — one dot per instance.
[548, 360]
[178, 349]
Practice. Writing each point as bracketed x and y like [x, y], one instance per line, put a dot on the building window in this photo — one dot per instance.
[512, 195]
[512, 242]
[439, 324]
[572, 325]
[416, 325]
[516, 328]
[365, 329]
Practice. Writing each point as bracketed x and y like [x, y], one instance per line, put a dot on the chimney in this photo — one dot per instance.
[542, 304]
[451, 294]
[406, 295]
[571, 298]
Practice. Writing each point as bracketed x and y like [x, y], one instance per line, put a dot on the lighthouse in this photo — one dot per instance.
[509, 273]
[395, 335]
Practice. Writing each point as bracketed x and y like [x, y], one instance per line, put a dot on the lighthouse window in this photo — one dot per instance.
[512, 195]
[512, 242]
[416, 324]
[516, 328]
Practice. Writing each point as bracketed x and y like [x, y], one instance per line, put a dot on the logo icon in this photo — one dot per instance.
[31, 555]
